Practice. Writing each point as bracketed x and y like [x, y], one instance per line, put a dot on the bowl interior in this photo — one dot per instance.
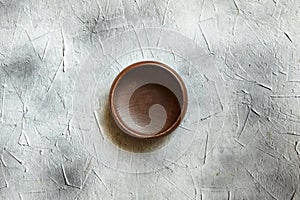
[148, 99]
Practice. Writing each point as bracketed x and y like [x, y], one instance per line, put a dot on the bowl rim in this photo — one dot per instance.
[120, 123]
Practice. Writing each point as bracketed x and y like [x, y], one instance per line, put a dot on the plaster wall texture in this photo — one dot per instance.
[240, 61]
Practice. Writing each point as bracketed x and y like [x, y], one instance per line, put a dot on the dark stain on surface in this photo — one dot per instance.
[21, 70]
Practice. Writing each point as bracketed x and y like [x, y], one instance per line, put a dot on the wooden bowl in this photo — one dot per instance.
[148, 99]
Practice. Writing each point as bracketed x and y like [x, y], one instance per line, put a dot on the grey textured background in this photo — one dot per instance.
[244, 99]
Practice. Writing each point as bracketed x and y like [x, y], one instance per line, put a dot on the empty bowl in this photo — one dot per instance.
[148, 99]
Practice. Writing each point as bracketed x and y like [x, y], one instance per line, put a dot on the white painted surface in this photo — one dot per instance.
[241, 65]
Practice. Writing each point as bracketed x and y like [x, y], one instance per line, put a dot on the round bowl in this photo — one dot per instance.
[148, 99]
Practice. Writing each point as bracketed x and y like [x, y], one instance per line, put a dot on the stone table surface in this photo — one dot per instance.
[240, 60]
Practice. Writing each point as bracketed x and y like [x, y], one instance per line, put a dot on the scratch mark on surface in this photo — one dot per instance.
[116, 61]
[272, 156]
[2, 160]
[5, 181]
[243, 125]
[296, 147]
[288, 37]
[229, 195]
[23, 140]
[255, 111]
[95, 150]
[255, 82]
[138, 6]
[236, 6]
[194, 184]
[213, 4]
[275, 149]
[205, 149]
[237, 141]
[203, 119]
[24, 122]
[284, 96]
[100, 179]
[264, 86]
[66, 178]
[98, 124]
[205, 39]
[16, 28]
[101, 44]
[20, 195]
[87, 171]
[63, 50]
[81, 134]
[92, 28]
[259, 39]
[45, 49]
[255, 180]
[54, 181]
[173, 54]
[166, 11]
[291, 133]
[81, 20]
[106, 7]
[185, 128]
[100, 10]
[158, 41]
[148, 40]
[165, 196]
[6, 143]
[172, 183]
[240, 66]
[30, 40]
[61, 99]
[175, 164]
[69, 126]
[202, 6]
[14, 157]
[139, 41]
[235, 25]
[293, 195]
[53, 78]
[2, 106]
